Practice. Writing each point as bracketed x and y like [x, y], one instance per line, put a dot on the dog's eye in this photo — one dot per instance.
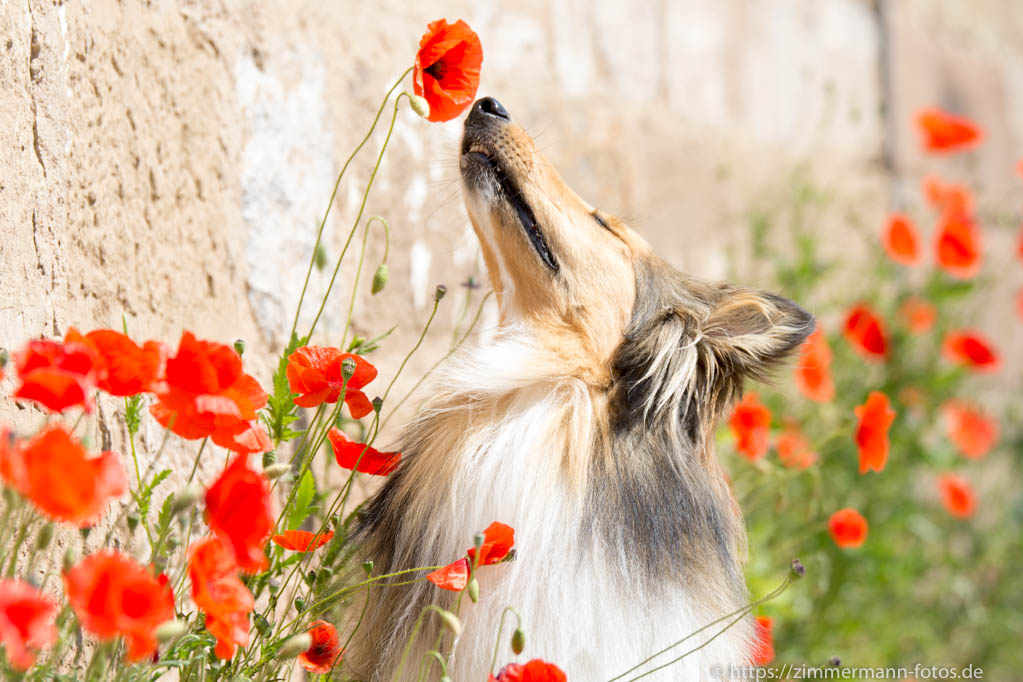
[600, 221]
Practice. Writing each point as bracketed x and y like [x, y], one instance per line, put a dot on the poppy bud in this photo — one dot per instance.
[439, 292]
[173, 542]
[477, 540]
[368, 567]
[320, 256]
[378, 402]
[186, 498]
[269, 458]
[295, 645]
[239, 346]
[4, 357]
[347, 368]
[380, 279]
[276, 470]
[450, 621]
[262, 624]
[44, 537]
[445, 678]
[85, 532]
[299, 604]
[419, 105]
[169, 631]
[274, 587]
[133, 521]
[474, 590]
[798, 570]
[69, 560]
[518, 642]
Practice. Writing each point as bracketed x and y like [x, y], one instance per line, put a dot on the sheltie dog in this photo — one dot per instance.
[587, 424]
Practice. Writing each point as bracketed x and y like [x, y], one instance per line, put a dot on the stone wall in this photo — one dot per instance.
[168, 161]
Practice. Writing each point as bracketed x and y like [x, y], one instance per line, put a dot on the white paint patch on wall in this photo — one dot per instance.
[573, 47]
[287, 168]
[695, 42]
[420, 258]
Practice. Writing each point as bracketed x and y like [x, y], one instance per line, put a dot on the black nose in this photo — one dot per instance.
[489, 106]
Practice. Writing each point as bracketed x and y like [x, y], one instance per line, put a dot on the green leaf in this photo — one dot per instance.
[281, 410]
[363, 346]
[302, 505]
[146, 496]
[133, 413]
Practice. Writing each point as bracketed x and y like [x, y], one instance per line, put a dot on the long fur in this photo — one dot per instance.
[627, 538]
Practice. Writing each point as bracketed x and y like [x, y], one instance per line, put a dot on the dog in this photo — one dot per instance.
[587, 424]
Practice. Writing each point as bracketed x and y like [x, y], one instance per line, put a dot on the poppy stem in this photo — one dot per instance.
[500, 631]
[337, 183]
[195, 462]
[358, 269]
[358, 216]
[19, 539]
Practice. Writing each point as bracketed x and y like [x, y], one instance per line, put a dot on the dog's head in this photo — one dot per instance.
[592, 289]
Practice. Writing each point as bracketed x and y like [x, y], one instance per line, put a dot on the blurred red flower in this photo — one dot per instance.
[875, 418]
[948, 197]
[919, 315]
[943, 132]
[122, 367]
[498, 540]
[220, 594]
[206, 394]
[970, 349]
[972, 431]
[901, 240]
[794, 449]
[864, 330]
[314, 372]
[238, 510]
[750, 423]
[536, 670]
[447, 70]
[848, 528]
[56, 375]
[301, 540]
[958, 245]
[320, 657]
[957, 496]
[26, 622]
[55, 473]
[813, 370]
[348, 453]
[112, 595]
[763, 645]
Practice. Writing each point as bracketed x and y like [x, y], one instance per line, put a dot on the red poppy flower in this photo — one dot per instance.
[536, 670]
[848, 528]
[314, 372]
[498, 540]
[371, 461]
[218, 592]
[750, 422]
[113, 596]
[958, 245]
[26, 622]
[919, 315]
[972, 431]
[53, 471]
[970, 349]
[206, 394]
[864, 330]
[238, 510]
[447, 70]
[875, 418]
[56, 375]
[122, 368]
[948, 197]
[320, 657]
[901, 240]
[301, 540]
[957, 496]
[813, 371]
[943, 132]
[794, 450]
[763, 646]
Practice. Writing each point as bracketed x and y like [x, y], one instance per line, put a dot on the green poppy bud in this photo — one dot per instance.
[295, 645]
[69, 560]
[299, 604]
[269, 458]
[798, 570]
[450, 621]
[44, 537]
[368, 567]
[320, 256]
[518, 642]
[439, 292]
[419, 105]
[276, 470]
[380, 279]
[347, 368]
[239, 346]
[474, 590]
[169, 631]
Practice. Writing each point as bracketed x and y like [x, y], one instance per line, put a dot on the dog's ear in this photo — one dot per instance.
[750, 332]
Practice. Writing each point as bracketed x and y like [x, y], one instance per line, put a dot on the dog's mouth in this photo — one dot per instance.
[475, 154]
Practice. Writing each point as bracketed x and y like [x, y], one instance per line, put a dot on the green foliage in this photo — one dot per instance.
[133, 414]
[303, 504]
[281, 411]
